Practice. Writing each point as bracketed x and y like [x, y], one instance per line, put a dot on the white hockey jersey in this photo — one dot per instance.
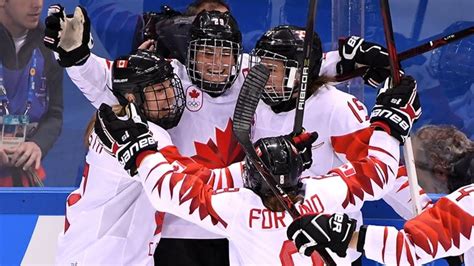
[444, 230]
[109, 219]
[204, 132]
[256, 234]
[340, 120]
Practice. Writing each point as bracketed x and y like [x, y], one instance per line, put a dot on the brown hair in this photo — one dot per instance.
[118, 109]
[318, 83]
[442, 145]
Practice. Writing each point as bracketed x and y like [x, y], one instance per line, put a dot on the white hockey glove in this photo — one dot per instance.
[124, 139]
[69, 36]
[355, 53]
[397, 108]
[318, 231]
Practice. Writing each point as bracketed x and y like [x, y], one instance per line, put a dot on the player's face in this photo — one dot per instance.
[21, 15]
[159, 100]
[214, 63]
[277, 75]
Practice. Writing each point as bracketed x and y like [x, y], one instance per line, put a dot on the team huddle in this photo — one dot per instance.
[163, 162]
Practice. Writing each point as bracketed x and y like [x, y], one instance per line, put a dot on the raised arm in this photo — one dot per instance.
[69, 37]
[371, 171]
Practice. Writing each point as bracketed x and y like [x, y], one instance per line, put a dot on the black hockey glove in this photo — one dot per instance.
[397, 108]
[318, 231]
[461, 172]
[304, 142]
[355, 53]
[69, 36]
[124, 139]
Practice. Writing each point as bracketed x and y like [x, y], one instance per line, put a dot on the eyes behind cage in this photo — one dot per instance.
[211, 51]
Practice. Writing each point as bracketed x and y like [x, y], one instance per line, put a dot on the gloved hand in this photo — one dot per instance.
[461, 172]
[397, 108]
[303, 142]
[318, 231]
[69, 35]
[124, 139]
[355, 53]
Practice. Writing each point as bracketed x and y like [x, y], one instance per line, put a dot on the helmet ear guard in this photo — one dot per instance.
[133, 74]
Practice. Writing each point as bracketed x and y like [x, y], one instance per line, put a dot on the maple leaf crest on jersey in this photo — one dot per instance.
[194, 98]
[225, 151]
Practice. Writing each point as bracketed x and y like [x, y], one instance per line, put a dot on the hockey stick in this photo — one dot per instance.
[247, 102]
[395, 69]
[308, 40]
[418, 50]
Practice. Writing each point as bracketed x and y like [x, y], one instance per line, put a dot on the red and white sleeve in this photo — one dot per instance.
[399, 197]
[346, 188]
[175, 190]
[356, 145]
[220, 178]
[444, 230]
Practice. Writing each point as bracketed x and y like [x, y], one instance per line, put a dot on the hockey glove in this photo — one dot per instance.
[355, 53]
[397, 108]
[303, 143]
[124, 139]
[69, 35]
[318, 231]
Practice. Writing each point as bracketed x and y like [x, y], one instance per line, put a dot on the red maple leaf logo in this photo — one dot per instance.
[194, 94]
[221, 154]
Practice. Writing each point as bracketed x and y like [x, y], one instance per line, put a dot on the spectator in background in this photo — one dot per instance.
[32, 85]
[110, 20]
[440, 151]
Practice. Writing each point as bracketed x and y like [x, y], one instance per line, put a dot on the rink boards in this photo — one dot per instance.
[32, 218]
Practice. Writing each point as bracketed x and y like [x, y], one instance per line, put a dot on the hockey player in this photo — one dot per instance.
[211, 81]
[253, 219]
[446, 229]
[109, 219]
[340, 119]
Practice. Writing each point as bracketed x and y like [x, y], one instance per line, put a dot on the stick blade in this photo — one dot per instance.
[249, 96]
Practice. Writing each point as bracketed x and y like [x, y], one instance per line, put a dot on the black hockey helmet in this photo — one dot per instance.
[145, 74]
[285, 43]
[215, 34]
[282, 159]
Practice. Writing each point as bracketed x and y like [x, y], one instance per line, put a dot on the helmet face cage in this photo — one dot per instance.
[283, 75]
[214, 64]
[163, 103]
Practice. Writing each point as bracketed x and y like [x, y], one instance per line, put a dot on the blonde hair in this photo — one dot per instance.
[443, 145]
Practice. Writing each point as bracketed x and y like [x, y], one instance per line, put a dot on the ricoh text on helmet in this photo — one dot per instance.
[156, 89]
